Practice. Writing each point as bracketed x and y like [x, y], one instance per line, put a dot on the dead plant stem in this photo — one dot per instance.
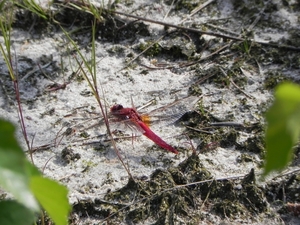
[21, 118]
[274, 45]
[181, 27]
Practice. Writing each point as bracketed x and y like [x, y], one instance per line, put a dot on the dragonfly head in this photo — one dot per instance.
[116, 107]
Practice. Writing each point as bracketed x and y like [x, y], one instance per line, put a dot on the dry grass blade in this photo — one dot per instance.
[197, 9]
[181, 27]
[210, 33]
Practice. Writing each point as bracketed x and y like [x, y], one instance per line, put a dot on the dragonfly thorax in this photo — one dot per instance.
[116, 107]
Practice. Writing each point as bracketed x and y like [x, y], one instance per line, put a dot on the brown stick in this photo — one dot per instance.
[288, 47]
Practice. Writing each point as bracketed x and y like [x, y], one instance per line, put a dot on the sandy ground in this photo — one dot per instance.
[88, 165]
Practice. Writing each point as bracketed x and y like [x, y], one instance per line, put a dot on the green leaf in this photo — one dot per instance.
[283, 127]
[15, 168]
[12, 212]
[2, 5]
[53, 197]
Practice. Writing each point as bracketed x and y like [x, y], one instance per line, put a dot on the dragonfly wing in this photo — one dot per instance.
[77, 126]
[169, 114]
[127, 126]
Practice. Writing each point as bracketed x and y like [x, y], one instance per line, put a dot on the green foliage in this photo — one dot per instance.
[29, 188]
[52, 196]
[14, 169]
[12, 212]
[32, 6]
[7, 12]
[89, 8]
[245, 46]
[283, 126]
[5, 49]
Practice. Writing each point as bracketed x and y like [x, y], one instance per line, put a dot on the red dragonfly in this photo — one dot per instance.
[142, 121]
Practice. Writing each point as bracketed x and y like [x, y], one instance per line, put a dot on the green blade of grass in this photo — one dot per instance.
[283, 127]
[5, 29]
[32, 6]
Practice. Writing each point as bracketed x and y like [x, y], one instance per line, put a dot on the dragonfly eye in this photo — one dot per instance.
[116, 107]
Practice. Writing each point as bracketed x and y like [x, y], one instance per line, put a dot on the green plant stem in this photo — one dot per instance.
[94, 87]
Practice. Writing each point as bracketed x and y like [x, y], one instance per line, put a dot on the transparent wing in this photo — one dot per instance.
[172, 112]
[127, 126]
[80, 123]
[84, 123]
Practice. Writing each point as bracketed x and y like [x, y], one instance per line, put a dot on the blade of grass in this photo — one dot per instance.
[6, 52]
[88, 7]
[33, 7]
[91, 70]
